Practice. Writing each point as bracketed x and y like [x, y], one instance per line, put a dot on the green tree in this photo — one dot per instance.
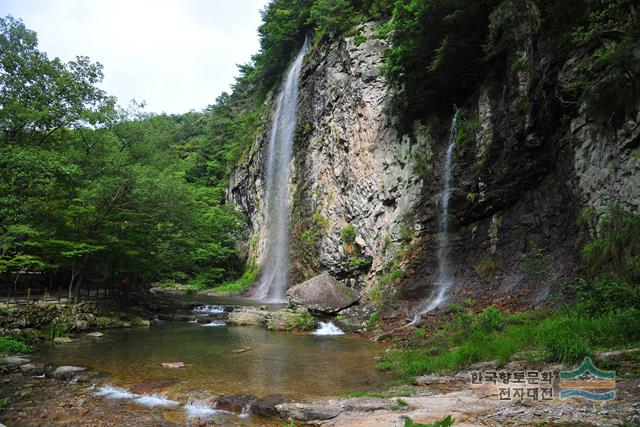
[39, 95]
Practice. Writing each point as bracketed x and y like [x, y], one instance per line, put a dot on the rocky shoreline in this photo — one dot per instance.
[37, 322]
[66, 395]
[37, 393]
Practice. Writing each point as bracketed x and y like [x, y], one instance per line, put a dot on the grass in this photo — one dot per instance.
[53, 330]
[10, 345]
[600, 312]
[445, 422]
[564, 335]
[406, 391]
[239, 285]
[399, 404]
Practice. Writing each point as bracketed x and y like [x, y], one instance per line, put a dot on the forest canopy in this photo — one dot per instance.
[91, 191]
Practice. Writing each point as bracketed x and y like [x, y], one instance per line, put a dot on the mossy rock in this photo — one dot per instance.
[298, 319]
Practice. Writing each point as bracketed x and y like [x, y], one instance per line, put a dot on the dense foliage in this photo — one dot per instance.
[440, 50]
[91, 191]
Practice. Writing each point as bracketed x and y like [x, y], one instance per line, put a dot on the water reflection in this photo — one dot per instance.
[293, 365]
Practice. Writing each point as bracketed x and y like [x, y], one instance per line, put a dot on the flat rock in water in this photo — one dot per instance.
[66, 372]
[95, 334]
[266, 407]
[323, 294]
[32, 369]
[173, 365]
[14, 360]
[309, 411]
[62, 340]
[248, 316]
[366, 404]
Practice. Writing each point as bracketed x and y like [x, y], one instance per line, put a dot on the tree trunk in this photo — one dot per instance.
[73, 277]
[76, 298]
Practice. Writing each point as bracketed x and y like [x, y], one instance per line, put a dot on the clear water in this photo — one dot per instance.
[275, 265]
[444, 281]
[294, 365]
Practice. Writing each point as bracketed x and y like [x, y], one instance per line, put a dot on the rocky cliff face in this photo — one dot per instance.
[351, 167]
[531, 178]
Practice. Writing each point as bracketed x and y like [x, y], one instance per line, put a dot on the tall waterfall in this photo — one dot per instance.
[444, 281]
[275, 264]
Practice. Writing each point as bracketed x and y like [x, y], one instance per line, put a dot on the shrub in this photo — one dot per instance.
[486, 267]
[348, 234]
[10, 345]
[445, 422]
[332, 18]
[356, 262]
[239, 285]
[491, 319]
[615, 254]
[399, 404]
[359, 39]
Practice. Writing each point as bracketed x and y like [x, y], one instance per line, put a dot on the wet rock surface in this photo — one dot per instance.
[235, 404]
[322, 294]
[297, 319]
[32, 369]
[309, 411]
[12, 361]
[266, 406]
[248, 316]
[65, 373]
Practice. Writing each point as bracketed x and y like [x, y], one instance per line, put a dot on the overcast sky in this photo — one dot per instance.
[176, 55]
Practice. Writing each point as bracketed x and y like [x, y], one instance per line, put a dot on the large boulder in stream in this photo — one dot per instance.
[323, 294]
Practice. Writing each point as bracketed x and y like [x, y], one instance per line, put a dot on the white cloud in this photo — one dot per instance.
[176, 55]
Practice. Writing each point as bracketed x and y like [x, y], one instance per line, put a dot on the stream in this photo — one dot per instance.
[222, 360]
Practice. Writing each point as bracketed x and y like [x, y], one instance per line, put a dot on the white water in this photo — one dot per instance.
[113, 392]
[209, 309]
[153, 400]
[444, 281]
[328, 328]
[215, 323]
[275, 264]
[198, 409]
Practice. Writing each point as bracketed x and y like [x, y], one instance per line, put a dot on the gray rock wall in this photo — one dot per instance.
[526, 170]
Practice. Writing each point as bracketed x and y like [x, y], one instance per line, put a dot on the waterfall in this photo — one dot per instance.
[275, 264]
[444, 281]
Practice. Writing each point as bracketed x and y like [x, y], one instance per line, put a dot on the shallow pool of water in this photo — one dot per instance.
[294, 365]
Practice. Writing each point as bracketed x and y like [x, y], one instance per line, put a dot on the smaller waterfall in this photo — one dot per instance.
[328, 328]
[209, 309]
[444, 281]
